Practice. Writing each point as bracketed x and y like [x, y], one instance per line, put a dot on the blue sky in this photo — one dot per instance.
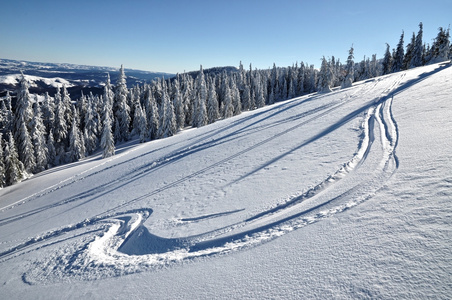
[173, 36]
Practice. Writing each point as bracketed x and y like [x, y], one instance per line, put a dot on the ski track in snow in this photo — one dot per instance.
[117, 243]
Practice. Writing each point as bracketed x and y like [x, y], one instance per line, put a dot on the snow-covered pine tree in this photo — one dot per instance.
[246, 97]
[235, 94]
[349, 70]
[48, 112]
[38, 137]
[325, 76]
[409, 53]
[399, 55]
[60, 129]
[52, 161]
[121, 109]
[387, 61]
[67, 103]
[107, 143]
[228, 110]
[417, 59]
[212, 104]
[90, 131]
[167, 125]
[259, 86]
[14, 169]
[152, 114]
[2, 164]
[178, 104]
[200, 111]
[76, 148]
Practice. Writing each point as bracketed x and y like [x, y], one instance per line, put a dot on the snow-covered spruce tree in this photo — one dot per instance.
[67, 104]
[212, 104]
[7, 114]
[167, 125]
[82, 106]
[48, 112]
[142, 124]
[387, 61]
[235, 94]
[22, 125]
[228, 110]
[90, 131]
[60, 129]
[38, 137]
[178, 104]
[349, 70]
[417, 59]
[2, 164]
[325, 76]
[121, 109]
[76, 147]
[52, 161]
[152, 114]
[259, 90]
[14, 169]
[200, 111]
[409, 53]
[107, 143]
[397, 64]
[441, 46]
[246, 98]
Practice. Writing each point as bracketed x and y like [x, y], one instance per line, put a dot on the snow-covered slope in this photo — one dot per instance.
[339, 195]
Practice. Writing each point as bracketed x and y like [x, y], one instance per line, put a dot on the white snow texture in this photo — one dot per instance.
[345, 195]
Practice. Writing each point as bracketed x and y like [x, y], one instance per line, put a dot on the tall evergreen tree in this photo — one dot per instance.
[107, 143]
[228, 110]
[76, 147]
[325, 77]
[200, 111]
[417, 59]
[349, 70]
[399, 55]
[168, 120]
[52, 156]
[387, 61]
[2, 164]
[14, 169]
[38, 137]
[409, 53]
[48, 112]
[90, 131]
[212, 104]
[121, 108]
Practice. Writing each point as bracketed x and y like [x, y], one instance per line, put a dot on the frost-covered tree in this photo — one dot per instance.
[349, 70]
[7, 114]
[48, 112]
[121, 108]
[38, 137]
[90, 131]
[178, 104]
[212, 104]
[52, 156]
[168, 119]
[2, 164]
[387, 61]
[152, 114]
[325, 77]
[417, 59]
[236, 102]
[60, 128]
[228, 110]
[76, 147]
[409, 53]
[107, 143]
[14, 169]
[441, 46]
[397, 64]
[200, 110]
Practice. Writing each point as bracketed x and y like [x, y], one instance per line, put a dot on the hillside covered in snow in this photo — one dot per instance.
[339, 195]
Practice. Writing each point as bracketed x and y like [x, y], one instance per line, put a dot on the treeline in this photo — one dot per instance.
[37, 135]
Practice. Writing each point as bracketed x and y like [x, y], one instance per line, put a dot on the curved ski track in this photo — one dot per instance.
[118, 243]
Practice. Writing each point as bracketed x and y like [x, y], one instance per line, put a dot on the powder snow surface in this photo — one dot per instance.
[340, 195]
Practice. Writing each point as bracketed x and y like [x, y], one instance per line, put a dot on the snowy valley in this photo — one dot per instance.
[342, 195]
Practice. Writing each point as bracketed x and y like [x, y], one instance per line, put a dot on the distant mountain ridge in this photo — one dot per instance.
[47, 76]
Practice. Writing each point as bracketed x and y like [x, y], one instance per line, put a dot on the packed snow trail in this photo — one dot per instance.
[128, 225]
